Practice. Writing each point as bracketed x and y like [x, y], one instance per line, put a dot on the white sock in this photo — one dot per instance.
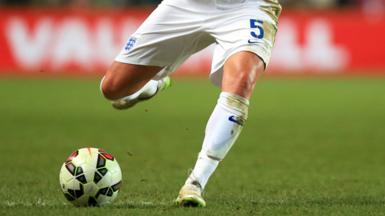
[147, 90]
[222, 130]
[204, 168]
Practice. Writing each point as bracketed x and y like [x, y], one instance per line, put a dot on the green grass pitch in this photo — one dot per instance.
[310, 147]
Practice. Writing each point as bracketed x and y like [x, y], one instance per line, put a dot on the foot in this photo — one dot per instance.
[127, 102]
[190, 195]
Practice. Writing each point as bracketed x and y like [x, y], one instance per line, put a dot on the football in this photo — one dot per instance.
[90, 177]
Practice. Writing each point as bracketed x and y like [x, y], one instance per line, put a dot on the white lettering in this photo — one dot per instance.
[73, 44]
[29, 48]
[320, 52]
[106, 45]
[287, 52]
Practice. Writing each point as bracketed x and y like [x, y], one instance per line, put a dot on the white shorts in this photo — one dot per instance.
[179, 28]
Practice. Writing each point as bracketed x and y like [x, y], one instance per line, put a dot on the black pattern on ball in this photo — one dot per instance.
[97, 177]
[76, 193]
[102, 191]
[78, 171]
[116, 186]
[71, 168]
[109, 192]
[103, 171]
[69, 197]
[82, 179]
[92, 202]
[101, 161]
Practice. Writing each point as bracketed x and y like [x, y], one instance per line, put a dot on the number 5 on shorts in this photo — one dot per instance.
[257, 24]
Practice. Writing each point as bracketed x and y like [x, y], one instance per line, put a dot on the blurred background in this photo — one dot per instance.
[119, 3]
[314, 139]
[315, 36]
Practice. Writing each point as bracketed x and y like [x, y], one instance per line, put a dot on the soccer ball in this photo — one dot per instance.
[90, 177]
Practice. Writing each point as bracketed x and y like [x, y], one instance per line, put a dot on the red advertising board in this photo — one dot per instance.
[330, 42]
[66, 41]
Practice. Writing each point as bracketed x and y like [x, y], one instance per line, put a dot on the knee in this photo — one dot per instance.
[241, 73]
[123, 79]
[246, 78]
[242, 81]
[248, 71]
[110, 88]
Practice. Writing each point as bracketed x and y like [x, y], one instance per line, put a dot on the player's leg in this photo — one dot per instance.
[126, 84]
[243, 51]
[240, 75]
[156, 49]
[241, 72]
[124, 79]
